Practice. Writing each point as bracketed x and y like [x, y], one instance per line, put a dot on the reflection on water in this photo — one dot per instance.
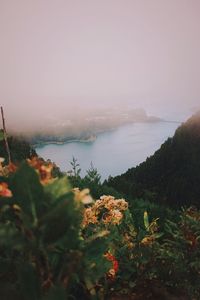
[113, 152]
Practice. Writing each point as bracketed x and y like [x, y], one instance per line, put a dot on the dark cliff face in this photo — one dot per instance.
[170, 176]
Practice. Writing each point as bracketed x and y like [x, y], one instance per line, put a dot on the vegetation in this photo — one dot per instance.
[19, 148]
[171, 176]
[57, 242]
[65, 237]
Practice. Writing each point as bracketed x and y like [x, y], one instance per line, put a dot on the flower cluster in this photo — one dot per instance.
[4, 190]
[106, 210]
[44, 169]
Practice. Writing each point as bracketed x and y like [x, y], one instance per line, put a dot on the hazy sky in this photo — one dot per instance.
[55, 53]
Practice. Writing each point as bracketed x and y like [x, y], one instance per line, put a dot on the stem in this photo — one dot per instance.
[5, 136]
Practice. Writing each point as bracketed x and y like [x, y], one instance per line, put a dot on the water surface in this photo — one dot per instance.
[113, 152]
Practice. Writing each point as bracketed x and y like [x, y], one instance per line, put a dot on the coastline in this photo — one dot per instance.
[93, 137]
[45, 143]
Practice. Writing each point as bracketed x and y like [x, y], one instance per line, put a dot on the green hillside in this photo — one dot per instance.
[170, 176]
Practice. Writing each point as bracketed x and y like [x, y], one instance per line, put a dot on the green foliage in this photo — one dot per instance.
[171, 176]
[92, 180]
[19, 148]
[178, 255]
[47, 253]
[28, 192]
[42, 253]
[76, 170]
[92, 176]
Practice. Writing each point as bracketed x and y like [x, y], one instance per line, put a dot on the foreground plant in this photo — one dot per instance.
[56, 242]
[42, 252]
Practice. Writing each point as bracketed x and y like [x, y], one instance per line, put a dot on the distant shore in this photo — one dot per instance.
[91, 138]
[65, 141]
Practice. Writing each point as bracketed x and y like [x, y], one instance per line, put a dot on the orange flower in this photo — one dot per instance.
[43, 168]
[115, 265]
[4, 191]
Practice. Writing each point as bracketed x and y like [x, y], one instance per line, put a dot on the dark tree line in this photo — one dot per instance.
[172, 175]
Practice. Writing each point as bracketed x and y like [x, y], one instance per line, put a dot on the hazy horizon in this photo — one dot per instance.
[63, 58]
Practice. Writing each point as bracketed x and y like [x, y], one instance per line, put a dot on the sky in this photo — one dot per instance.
[58, 57]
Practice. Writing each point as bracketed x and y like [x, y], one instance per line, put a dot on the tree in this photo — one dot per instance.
[76, 170]
[92, 175]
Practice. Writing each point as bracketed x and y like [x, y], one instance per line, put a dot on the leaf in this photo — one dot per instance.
[61, 222]
[29, 282]
[99, 234]
[10, 237]
[96, 264]
[28, 191]
[58, 188]
[146, 220]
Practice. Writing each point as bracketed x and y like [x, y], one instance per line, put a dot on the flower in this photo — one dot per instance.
[8, 169]
[106, 210]
[114, 217]
[82, 196]
[147, 240]
[89, 217]
[44, 169]
[4, 191]
[115, 265]
[2, 159]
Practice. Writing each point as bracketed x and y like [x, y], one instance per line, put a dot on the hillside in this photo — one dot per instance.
[20, 149]
[170, 176]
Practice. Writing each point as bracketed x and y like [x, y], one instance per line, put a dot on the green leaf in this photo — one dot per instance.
[61, 221]
[28, 191]
[146, 220]
[96, 265]
[58, 188]
[29, 282]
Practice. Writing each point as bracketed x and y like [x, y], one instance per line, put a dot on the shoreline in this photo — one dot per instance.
[93, 137]
[42, 144]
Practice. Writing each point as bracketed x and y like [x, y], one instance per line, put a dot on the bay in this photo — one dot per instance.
[113, 152]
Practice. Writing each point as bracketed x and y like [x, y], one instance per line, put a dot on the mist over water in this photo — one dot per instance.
[113, 152]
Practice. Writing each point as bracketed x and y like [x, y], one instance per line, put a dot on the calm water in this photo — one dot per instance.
[113, 152]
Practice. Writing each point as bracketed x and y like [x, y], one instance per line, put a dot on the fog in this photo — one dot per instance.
[67, 60]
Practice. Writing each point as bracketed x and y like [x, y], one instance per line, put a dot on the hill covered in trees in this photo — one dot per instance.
[172, 175]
